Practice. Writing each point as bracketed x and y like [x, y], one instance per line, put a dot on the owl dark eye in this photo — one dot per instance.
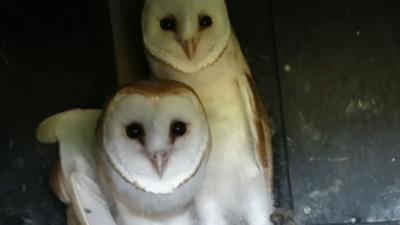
[135, 131]
[168, 23]
[178, 128]
[205, 22]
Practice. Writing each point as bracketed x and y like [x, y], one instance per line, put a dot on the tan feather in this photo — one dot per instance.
[56, 182]
[256, 115]
[264, 147]
[72, 217]
[46, 132]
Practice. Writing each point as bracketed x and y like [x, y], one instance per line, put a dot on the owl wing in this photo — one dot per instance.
[256, 116]
[258, 126]
[74, 130]
[74, 177]
[90, 205]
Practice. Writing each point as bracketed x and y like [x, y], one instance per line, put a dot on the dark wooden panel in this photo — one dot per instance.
[339, 66]
[130, 59]
[53, 56]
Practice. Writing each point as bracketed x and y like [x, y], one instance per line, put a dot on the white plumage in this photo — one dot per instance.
[74, 177]
[191, 41]
[155, 142]
[141, 165]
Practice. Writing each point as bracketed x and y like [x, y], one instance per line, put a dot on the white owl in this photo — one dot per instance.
[192, 41]
[155, 143]
[141, 165]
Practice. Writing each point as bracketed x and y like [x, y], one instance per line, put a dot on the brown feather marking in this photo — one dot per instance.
[154, 88]
[72, 217]
[56, 182]
[264, 147]
[151, 89]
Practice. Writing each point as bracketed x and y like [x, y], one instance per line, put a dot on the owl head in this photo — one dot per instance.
[154, 135]
[185, 34]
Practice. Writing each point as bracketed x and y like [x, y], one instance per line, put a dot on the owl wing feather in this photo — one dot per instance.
[256, 116]
[91, 207]
[73, 179]
[74, 130]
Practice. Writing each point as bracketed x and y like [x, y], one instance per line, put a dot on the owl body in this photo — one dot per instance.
[193, 42]
[235, 178]
[218, 86]
[139, 161]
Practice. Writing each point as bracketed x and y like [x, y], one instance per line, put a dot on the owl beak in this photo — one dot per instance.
[159, 161]
[189, 47]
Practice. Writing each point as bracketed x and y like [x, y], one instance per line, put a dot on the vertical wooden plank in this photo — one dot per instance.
[339, 66]
[129, 54]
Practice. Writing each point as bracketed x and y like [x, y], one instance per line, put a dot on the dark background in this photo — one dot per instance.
[329, 72]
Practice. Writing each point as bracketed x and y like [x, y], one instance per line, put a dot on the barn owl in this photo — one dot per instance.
[141, 164]
[155, 142]
[192, 41]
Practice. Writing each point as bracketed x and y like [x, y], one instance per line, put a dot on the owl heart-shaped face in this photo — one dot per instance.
[155, 138]
[186, 34]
